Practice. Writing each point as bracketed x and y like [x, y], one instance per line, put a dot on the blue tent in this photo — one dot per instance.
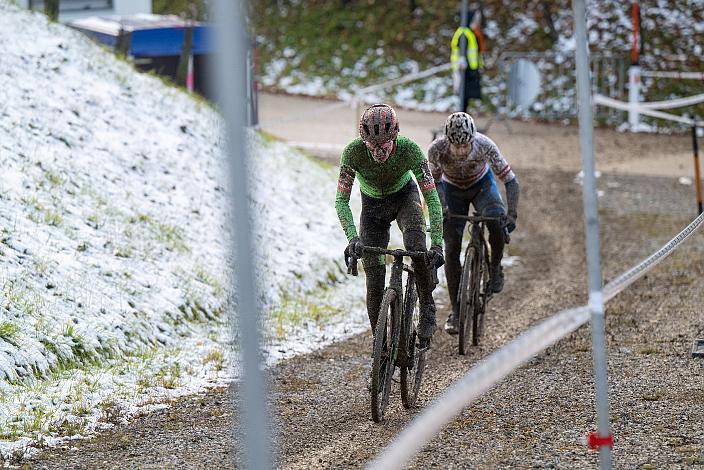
[154, 42]
[148, 35]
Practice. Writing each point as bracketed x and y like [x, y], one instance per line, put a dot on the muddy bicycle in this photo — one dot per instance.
[396, 341]
[474, 292]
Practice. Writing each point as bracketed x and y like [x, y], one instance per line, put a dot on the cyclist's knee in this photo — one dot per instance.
[414, 240]
[494, 210]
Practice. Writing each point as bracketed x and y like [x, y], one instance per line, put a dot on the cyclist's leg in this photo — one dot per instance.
[411, 221]
[458, 203]
[489, 203]
[375, 222]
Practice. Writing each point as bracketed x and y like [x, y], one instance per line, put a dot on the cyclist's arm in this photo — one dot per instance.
[436, 169]
[425, 179]
[512, 193]
[502, 170]
[342, 198]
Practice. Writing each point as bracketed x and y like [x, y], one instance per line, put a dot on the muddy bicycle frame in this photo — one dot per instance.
[474, 293]
[395, 333]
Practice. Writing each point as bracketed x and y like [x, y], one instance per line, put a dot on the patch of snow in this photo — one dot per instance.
[113, 252]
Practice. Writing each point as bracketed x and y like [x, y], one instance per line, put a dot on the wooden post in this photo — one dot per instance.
[51, 9]
[697, 173]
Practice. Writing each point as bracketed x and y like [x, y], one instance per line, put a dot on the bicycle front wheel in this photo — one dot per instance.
[385, 347]
[483, 294]
[414, 366]
[467, 297]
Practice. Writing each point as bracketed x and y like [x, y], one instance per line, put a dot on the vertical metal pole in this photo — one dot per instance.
[231, 66]
[697, 173]
[591, 218]
[464, 20]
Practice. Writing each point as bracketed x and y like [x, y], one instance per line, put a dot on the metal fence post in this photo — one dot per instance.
[230, 68]
[602, 440]
[464, 44]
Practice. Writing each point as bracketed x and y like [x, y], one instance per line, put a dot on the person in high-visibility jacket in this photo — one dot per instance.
[471, 64]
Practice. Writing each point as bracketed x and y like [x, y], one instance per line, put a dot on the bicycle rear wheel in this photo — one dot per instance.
[467, 297]
[483, 293]
[414, 366]
[386, 338]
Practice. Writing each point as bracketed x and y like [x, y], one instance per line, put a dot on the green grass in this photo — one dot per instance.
[217, 358]
[294, 311]
[9, 331]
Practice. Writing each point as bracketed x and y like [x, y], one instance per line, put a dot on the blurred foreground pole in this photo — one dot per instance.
[602, 439]
[230, 63]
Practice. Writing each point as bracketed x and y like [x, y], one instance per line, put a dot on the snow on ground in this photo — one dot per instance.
[114, 285]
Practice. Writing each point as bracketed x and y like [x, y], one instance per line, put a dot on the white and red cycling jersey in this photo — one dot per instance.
[466, 169]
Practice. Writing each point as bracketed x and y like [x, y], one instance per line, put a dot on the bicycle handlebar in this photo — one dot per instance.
[480, 218]
[417, 255]
[396, 252]
[475, 218]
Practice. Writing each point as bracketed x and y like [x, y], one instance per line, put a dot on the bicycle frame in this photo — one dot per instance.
[394, 331]
[478, 295]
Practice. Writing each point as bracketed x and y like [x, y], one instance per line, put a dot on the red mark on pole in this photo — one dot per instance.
[635, 12]
[596, 441]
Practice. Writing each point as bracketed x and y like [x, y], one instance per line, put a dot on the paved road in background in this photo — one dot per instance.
[323, 127]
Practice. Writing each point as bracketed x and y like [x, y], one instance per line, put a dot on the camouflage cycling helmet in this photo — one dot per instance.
[378, 124]
[460, 128]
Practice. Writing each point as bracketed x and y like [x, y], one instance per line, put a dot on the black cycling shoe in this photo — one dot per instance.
[496, 281]
[452, 323]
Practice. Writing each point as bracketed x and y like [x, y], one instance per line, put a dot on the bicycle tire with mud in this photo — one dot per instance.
[467, 298]
[412, 370]
[387, 326]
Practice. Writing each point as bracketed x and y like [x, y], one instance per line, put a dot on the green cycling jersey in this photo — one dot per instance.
[379, 180]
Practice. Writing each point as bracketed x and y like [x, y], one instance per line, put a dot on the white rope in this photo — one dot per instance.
[629, 277]
[612, 103]
[405, 79]
[476, 382]
[681, 75]
[672, 104]
[358, 99]
[501, 363]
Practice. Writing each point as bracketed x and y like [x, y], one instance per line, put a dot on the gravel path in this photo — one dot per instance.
[540, 415]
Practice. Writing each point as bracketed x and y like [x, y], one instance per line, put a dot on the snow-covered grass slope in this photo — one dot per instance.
[114, 289]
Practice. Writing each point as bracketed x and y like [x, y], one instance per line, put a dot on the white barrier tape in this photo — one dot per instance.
[682, 75]
[406, 78]
[612, 103]
[476, 382]
[358, 98]
[502, 362]
[672, 104]
[630, 276]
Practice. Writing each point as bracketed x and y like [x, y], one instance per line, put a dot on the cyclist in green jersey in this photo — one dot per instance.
[384, 161]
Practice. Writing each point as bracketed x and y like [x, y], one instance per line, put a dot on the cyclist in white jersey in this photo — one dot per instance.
[464, 164]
